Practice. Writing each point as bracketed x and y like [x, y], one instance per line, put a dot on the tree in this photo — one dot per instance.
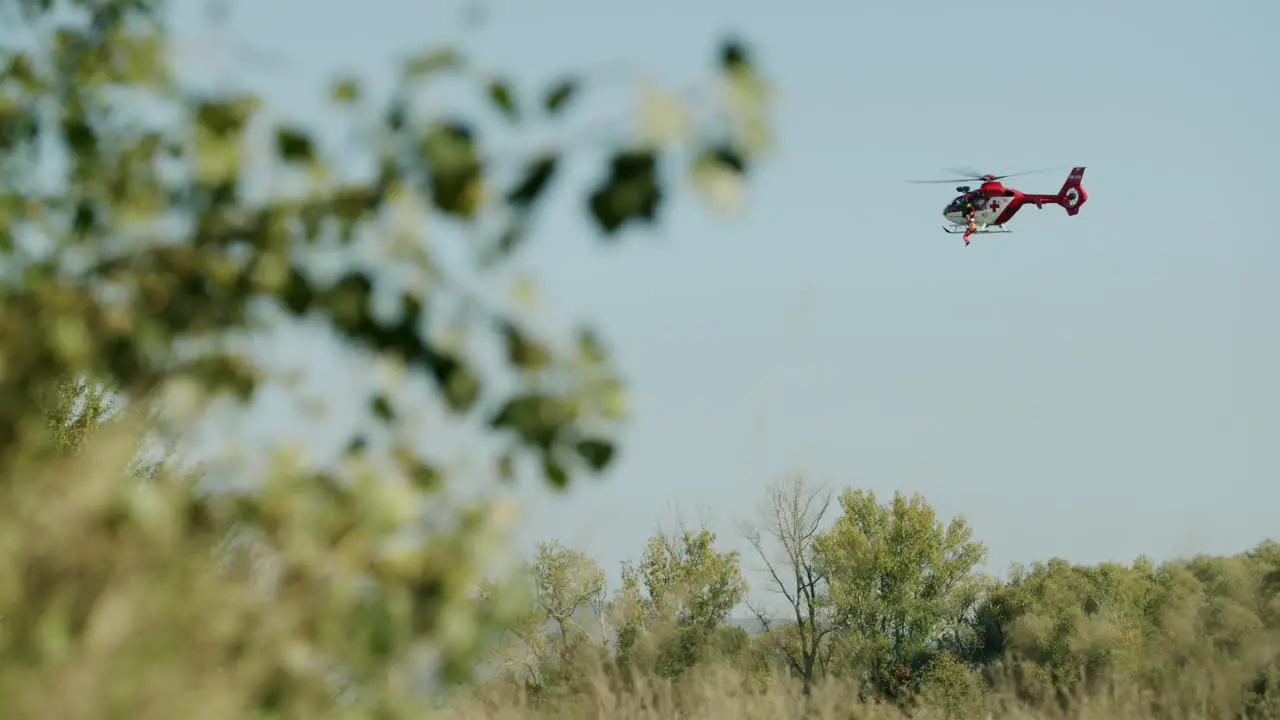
[519, 648]
[140, 246]
[953, 687]
[566, 581]
[1058, 629]
[792, 518]
[1080, 623]
[670, 606]
[897, 576]
[562, 582]
[688, 580]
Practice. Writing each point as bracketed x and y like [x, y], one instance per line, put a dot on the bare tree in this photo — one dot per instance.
[599, 607]
[785, 542]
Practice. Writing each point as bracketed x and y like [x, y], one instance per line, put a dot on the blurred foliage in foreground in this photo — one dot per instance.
[148, 230]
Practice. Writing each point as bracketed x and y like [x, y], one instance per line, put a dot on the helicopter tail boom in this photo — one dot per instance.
[1072, 194]
[1070, 197]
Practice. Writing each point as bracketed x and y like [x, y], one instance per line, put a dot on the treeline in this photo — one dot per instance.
[886, 598]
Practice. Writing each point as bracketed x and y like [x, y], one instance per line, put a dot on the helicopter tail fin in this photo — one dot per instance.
[1072, 194]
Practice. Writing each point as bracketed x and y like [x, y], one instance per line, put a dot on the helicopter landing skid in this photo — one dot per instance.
[960, 229]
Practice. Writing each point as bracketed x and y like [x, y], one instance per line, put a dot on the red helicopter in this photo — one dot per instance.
[987, 209]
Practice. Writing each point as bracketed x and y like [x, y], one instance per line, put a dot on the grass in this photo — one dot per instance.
[1197, 693]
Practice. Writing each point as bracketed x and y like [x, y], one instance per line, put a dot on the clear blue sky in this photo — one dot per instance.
[1092, 387]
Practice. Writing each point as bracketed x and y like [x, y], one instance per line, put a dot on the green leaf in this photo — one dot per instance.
[727, 156]
[294, 145]
[554, 472]
[511, 237]
[536, 418]
[225, 372]
[631, 192]
[23, 71]
[718, 176]
[85, 217]
[396, 116]
[523, 351]
[382, 634]
[16, 127]
[597, 452]
[298, 295]
[426, 477]
[537, 178]
[734, 57]
[352, 202]
[459, 384]
[431, 62]
[224, 118]
[506, 467]
[345, 91]
[79, 135]
[457, 181]
[559, 96]
[590, 348]
[348, 303]
[502, 96]
[380, 405]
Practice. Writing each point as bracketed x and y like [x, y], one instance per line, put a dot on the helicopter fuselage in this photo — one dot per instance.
[991, 204]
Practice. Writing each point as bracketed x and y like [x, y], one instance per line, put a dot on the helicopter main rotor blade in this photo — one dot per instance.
[1028, 172]
[938, 182]
[979, 177]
